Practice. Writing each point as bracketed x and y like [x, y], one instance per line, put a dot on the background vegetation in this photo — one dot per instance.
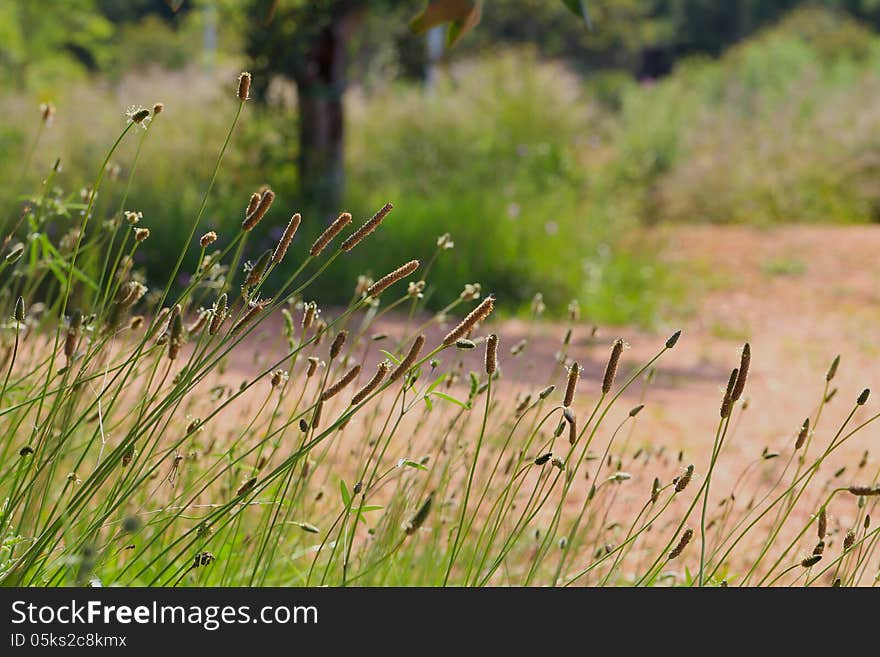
[542, 146]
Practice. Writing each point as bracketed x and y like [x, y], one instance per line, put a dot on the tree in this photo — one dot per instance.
[308, 41]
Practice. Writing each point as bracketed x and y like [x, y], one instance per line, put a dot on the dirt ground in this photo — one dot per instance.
[799, 295]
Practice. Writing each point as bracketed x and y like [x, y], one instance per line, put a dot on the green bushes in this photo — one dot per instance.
[540, 175]
[781, 128]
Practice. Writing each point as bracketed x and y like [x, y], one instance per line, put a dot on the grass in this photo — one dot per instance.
[784, 266]
[363, 447]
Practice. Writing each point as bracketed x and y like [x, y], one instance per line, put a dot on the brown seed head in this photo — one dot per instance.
[332, 231]
[611, 367]
[811, 561]
[140, 115]
[254, 310]
[337, 387]
[865, 491]
[372, 384]
[158, 108]
[254, 217]
[419, 517]
[253, 202]
[802, 434]
[727, 401]
[686, 537]
[255, 275]
[849, 540]
[18, 311]
[574, 373]
[410, 358]
[822, 523]
[685, 479]
[244, 86]
[286, 238]
[478, 314]
[390, 279]
[337, 344]
[72, 333]
[207, 239]
[655, 490]
[218, 314]
[833, 369]
[368, 227]
[491, 354]
[745, 361]
[175, 338]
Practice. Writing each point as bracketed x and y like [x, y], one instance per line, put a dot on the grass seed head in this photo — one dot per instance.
[410, 358]
[727, 401]
[611, 367]
[655, 490]
[865, 491]
[254, 310]
[253, 217]
[686, 537]
[208, 239]
[822, 527]
[286, 238]
[368, 227]
[340, 385]
[546, 392]
[832, 370]
[863, 398]
[685, 479]
[175, 336]
[802, 434]
[244, 86]
[491, 354]
[673, 339]
[478, 314]
[812, 560]
[390, 279]
[372, 384]
[740, 384]
[574, 372]
[332, 231]
[256, 273]
[337, 344]
[218, 314]
[419, 517]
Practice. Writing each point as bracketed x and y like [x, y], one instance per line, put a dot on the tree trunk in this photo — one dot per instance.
[320, 90]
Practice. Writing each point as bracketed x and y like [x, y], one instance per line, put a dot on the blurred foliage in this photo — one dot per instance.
[539, 172]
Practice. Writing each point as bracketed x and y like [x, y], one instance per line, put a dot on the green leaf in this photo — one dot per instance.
[450, 398]
[579, 9]
[461, 15]
[433, 386]
[410, 464]
[394, 359]
[428, 402]
[346, 496]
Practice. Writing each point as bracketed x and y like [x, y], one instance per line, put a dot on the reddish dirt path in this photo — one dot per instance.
[799, 295]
